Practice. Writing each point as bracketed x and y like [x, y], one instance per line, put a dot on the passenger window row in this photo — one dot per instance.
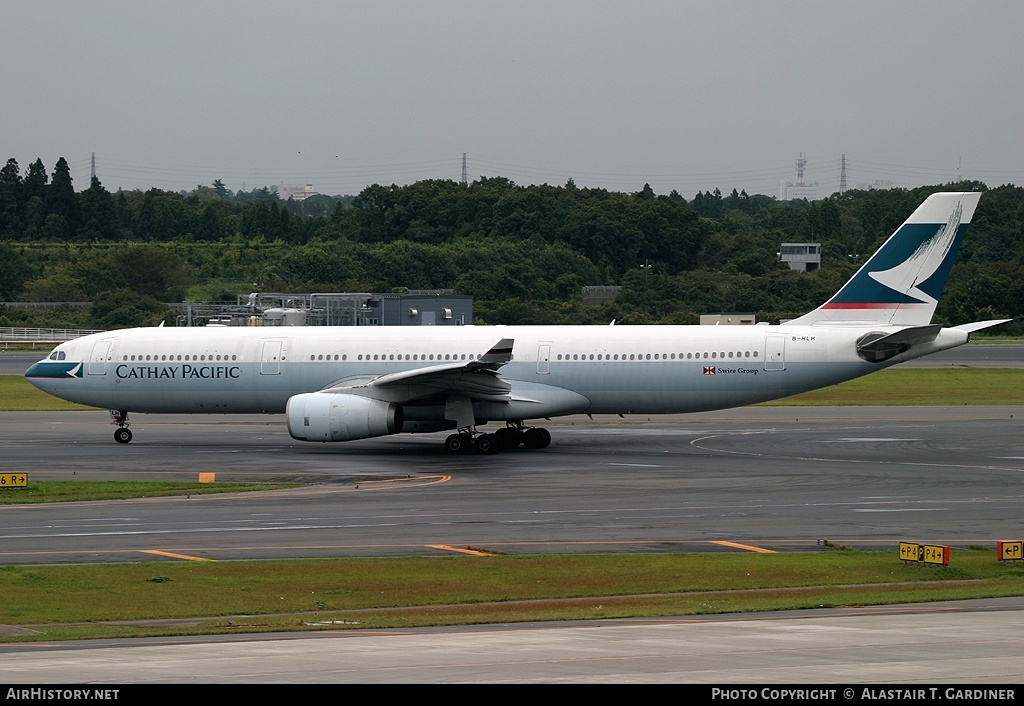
[397, 356]
[161, 358]
[447, 356]
[658, 356]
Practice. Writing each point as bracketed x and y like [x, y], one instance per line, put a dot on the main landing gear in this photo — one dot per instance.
[122, 434]
[509, 437]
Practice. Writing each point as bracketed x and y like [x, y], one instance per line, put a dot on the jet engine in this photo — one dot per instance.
[323, 416]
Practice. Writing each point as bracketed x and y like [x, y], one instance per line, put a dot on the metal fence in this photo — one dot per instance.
[35, 336]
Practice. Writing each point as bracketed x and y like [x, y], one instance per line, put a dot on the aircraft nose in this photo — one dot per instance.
[54, 369]
[35, 370]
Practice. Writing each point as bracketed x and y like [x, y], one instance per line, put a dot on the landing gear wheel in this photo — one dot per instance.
[509, 437]
[536, 438]
[487, 444]
[457, 443]
[122, 435]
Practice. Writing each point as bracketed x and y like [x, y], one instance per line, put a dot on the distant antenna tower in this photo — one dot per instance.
[93, 174]
[465, 177]
[842, 176]
[800, 164]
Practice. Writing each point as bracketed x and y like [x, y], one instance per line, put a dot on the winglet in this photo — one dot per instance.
[500, 353]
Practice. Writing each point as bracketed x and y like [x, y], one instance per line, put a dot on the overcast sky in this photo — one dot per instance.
[690, 96]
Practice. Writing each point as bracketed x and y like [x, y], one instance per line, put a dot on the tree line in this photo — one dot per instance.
[523, 252]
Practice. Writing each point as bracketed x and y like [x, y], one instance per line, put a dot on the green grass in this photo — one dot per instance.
[920, 386]
[67, 491]
[18, 395]
[70, 602]
[995, 340]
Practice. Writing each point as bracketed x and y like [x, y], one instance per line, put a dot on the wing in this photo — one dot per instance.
[477, 379]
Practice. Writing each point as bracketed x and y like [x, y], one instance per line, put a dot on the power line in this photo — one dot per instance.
[338, 176]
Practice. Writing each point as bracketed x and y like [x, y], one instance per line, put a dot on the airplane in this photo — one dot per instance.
[345, 383]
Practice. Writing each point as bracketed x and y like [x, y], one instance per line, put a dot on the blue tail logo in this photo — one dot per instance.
[902, 282]
[938, 251]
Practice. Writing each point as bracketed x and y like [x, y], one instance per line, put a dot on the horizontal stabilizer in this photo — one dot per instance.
[877, 347]
[979, 325]
[908, 336]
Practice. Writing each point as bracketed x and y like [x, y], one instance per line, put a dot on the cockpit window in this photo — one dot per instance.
[58, 355]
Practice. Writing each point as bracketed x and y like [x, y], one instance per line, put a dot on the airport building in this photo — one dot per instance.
[805, 257]
[413, 308]
[296, 193]
[735, 319]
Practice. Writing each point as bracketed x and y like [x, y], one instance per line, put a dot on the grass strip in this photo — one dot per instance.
[920, 387]
[69, 491]
[17, 394]
[180, 598]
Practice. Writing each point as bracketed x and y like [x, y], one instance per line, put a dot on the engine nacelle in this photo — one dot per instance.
[318, 416]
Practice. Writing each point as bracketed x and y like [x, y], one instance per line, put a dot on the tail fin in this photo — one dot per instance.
[900, 285]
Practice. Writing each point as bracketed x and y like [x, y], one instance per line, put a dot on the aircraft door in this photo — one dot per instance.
[98, 359]
[544, 359]
[775, 353]
[270, 362]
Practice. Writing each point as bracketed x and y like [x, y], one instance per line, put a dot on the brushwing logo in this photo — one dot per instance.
[53, 369]
[923, 263]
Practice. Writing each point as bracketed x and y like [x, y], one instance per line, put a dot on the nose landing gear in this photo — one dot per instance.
[122, 434]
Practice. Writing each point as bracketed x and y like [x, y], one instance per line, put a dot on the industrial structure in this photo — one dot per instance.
[735, 319]
[296, 193]
[800, 189]
[414, 308]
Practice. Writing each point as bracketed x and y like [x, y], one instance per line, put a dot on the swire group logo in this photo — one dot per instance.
[728, 370]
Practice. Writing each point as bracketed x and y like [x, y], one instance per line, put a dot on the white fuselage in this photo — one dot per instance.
[554, 369]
